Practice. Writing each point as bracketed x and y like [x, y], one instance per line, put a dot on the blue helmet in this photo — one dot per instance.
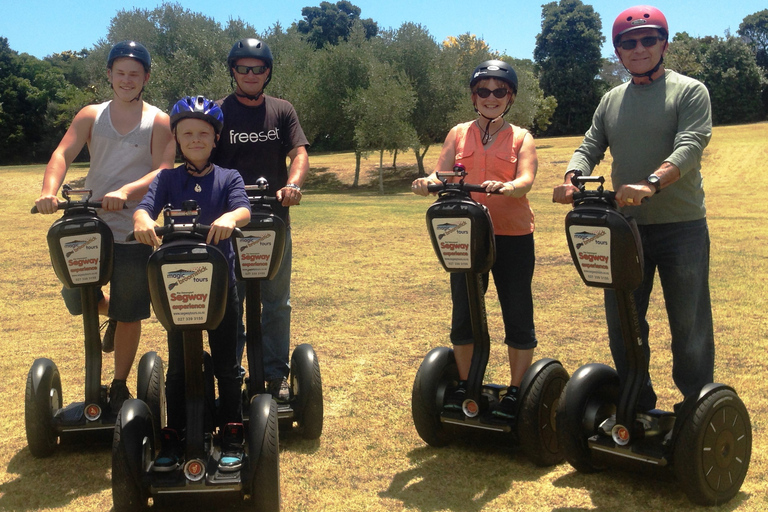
[198, 107]
[130, 49]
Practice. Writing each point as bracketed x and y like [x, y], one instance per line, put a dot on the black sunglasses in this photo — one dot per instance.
[647, 42]
[499, 93]
[256, 70]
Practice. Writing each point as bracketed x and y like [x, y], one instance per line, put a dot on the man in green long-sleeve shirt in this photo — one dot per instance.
[657, 126]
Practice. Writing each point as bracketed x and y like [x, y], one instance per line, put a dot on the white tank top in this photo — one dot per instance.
[117, 160]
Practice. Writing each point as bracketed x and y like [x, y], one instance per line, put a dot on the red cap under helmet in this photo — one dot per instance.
[640, 16]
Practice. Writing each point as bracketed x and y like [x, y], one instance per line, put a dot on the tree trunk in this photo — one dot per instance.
[381, 171]
[420, 159]
[394, 161]
[358, 157]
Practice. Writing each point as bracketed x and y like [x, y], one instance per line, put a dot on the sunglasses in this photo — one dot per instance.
[499, 93]
[647, 42]
[256, 70]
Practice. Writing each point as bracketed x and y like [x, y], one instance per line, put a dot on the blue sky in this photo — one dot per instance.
[44, 27]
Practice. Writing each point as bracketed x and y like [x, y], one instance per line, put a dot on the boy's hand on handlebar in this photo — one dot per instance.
[114, 201]
[144, 232]
[47, 204]
[419, 186]
[221, 229]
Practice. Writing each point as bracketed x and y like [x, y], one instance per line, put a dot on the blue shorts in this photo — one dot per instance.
[128, 288]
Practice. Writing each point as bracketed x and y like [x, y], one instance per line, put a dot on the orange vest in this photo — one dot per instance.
[511, 216]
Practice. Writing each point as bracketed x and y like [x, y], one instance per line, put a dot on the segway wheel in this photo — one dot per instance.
[435, 375]
[588, 399]
[41, 401]
[308, 390]
[713, 449]
[263, 454]
[151, 387]
[537, 427]
[133, 450]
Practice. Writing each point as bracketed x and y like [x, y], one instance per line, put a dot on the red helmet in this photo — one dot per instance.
[640, 16]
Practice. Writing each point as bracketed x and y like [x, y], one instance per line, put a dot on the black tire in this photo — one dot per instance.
[42, 399]
[263, 454]
[150, 388]
[589, 398]
[436, 374]
[133, 449]
[307, 387]
[713, 448]
[537, 426]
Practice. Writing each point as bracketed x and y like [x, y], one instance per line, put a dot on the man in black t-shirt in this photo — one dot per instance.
[260, 132]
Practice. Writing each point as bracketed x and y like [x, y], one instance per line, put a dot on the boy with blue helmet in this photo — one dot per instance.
[220, 194]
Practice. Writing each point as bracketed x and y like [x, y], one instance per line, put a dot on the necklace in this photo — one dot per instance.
[487, 136]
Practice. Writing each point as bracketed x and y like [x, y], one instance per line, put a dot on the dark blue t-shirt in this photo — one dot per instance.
[218, 192]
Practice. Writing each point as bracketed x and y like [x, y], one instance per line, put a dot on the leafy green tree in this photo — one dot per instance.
[28, 87]
[568, 55]
[734, 81]
[754, 30]
[380, 113]
[332, 23]
[685, 54]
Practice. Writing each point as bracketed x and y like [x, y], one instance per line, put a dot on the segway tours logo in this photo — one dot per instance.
[83, 257]
[592, 247]
[188, 288]
[454, 242]
[254, 252]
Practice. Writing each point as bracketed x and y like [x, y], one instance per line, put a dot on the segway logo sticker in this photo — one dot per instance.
[592, 247]
[188, 288]
[83, 257]
[254, 253]
[454, 240]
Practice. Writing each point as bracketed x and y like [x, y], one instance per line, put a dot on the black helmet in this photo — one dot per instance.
[130, 49]
[497, 69]
[197, 107]
[250, 48]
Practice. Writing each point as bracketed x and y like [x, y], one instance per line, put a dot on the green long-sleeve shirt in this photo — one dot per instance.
[668, 120]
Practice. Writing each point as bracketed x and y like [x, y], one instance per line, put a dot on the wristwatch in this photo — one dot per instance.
[294, 186]
[655, 182]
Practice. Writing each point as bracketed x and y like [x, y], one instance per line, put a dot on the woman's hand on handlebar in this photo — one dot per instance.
[419, 185]
[114, 201]
[506, 188]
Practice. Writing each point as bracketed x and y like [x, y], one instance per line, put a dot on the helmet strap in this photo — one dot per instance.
[647, 74]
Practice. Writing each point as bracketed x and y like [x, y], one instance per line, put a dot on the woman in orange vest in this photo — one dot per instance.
[501, 157]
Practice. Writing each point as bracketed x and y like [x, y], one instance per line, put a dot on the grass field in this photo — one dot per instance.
[370, 296]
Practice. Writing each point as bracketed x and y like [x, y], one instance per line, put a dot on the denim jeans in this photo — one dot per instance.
[512, 275]
[680, 252]
[275, 317]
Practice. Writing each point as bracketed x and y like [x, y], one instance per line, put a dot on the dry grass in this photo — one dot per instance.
[371, 298]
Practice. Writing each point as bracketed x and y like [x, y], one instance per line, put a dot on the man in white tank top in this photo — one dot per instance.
[127, 139]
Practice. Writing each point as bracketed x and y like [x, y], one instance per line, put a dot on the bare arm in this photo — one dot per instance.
[634, 193]
[78, 135]
[223, 227]
[289, 196]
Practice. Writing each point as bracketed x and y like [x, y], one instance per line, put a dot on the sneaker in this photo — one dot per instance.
[231, 448]
[454, 400]
[279, 389]
[171, 450]
[108, 340]
[118, 394]
[507, 408]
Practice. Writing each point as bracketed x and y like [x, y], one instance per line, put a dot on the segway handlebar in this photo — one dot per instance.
[459, 171]
[84, 202]
[192, 229]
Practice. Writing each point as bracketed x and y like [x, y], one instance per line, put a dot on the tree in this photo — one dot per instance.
[568, 54]
[332, 23]
[754, 30]
[380, 113]
[734, 81]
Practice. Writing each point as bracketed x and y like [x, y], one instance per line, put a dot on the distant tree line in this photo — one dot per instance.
[359, 87]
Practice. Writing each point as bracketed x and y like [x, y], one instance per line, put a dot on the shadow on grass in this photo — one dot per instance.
[466, 476]
[397, 180]
[641, 490]
[77, 468]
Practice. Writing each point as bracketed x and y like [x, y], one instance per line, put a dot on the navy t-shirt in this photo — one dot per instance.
[257, 140]
[218, 192]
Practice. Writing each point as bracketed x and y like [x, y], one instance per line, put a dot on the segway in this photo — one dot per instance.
[81, 249]
[707, 441]
[462, 237]
[259, 254]
[188, 282]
